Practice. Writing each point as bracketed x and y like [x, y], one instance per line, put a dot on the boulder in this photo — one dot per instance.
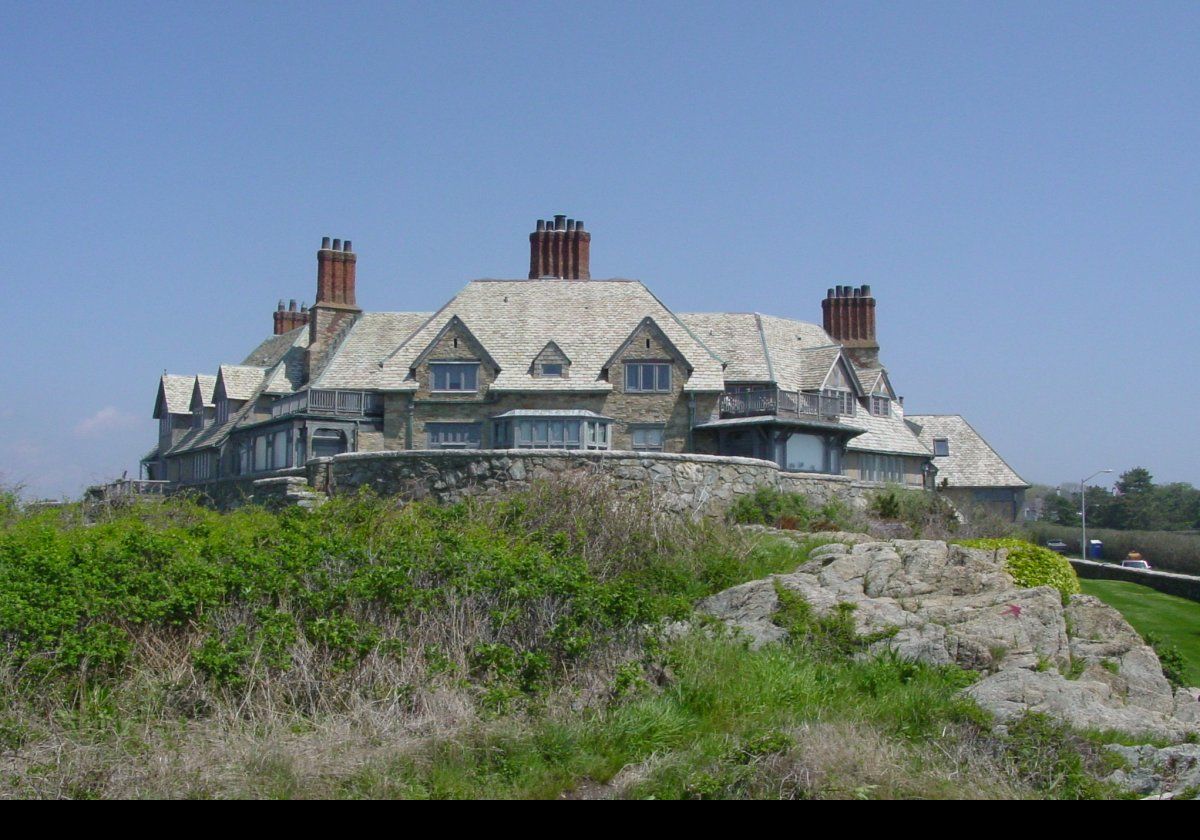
[946, 604]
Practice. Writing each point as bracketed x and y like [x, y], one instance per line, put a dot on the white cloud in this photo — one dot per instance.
[107, 419]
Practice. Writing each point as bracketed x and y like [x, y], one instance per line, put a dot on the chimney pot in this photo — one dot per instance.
[560, 221]
[292, 305]
[279, 308]
[325, 243]
[579, 225]
[337, 244]
[346, 246]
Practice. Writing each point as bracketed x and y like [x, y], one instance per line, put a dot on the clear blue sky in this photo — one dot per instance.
[1019, 183]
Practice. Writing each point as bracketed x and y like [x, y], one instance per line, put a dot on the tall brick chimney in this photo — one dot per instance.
[849, 316]
[335, 273]
[288, 319]
[560, 248]
[335, 308]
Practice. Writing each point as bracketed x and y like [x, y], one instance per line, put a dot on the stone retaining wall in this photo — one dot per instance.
[1172, 583]
[696, 484]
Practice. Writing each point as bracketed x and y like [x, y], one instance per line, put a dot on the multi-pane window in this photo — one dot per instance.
[454, 435]
[881, 406]
[882, 468]
[647, 438]
[648, 377]
[843, 400]
[941, 447]
[454, 376]
[550, 432]
[222, 412]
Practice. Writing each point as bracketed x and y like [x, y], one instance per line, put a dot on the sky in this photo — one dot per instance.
[1018, 182]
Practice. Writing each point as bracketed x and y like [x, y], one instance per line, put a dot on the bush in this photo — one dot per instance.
[1031, 565]
[771, 507]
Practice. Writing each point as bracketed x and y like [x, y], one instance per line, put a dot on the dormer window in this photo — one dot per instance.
[648, 377]
[222, 412]
[941, 447]
[843, 401]
[881, 406]
[454, 377]
[551, 370]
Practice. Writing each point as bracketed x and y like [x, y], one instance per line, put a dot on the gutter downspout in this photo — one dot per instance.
[691, 435]
[408, 424]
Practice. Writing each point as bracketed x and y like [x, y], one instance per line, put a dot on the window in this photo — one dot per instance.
[881, 406]
[647, 377]
[454, 376]
[888, 468]
[647, 438]
[454, 435]
[551, 369]
[843, 400]
[222, 412]
[941, 447]
[550, 433]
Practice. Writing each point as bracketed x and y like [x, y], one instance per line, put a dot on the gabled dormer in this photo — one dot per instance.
[550, 363]
[455, 363]
[841, 386]
[647, 362]
[172, 409]
[202, 407]
[879, 396]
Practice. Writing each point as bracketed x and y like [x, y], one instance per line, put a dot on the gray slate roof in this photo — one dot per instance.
[355, 363]
[763, 348]
[971, 462]
[174, 394]
[286, 374]
[205, 387]
[889, 435]
[240, 382]
[587, 319]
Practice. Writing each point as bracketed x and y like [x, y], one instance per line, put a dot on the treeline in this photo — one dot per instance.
[1166, 551]
[1135, 503]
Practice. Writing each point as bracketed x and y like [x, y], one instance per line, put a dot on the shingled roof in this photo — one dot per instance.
[762, 348]
[890, 435]
[972, 462]
[355, 363]
[174, 394]
[239, 382]
[587, 319]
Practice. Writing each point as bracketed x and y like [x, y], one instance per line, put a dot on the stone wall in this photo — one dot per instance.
[1172, 583]
[695, 484]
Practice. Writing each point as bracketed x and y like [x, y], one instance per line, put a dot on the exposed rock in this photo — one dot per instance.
[1187, 704]
[1151, 770]
[946, 604]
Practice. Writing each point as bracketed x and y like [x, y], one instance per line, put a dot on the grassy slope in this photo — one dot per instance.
[490, 650]
[1175, 620]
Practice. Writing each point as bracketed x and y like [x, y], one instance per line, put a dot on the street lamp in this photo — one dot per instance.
[1083, 552]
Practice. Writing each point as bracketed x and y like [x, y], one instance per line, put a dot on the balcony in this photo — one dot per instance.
[331, 403]
[776, 402]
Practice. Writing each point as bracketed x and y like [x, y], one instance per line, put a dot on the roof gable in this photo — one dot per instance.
[174, 395]
[455, 325]
[514, 320]
[648, 324]
[237, 382]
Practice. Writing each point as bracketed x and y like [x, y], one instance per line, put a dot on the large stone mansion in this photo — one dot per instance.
[559, 361]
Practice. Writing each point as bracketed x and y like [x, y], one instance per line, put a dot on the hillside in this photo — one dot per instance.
[541, 646]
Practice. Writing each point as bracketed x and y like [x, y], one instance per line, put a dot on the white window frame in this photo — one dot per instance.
[466, 435]
[845, 400]
[881, 405]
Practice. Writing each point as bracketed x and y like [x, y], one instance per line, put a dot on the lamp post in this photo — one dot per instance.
[1083, 552]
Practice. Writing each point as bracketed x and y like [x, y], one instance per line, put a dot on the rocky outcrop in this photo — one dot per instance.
[945, 604]
[1160, 772]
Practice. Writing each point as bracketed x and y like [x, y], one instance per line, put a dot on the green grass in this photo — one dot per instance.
[1174, 620]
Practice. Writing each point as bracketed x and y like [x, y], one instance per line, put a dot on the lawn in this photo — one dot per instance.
[1174, 620]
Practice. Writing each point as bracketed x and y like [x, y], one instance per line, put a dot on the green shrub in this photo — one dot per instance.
[1031, 565]
[768, 506]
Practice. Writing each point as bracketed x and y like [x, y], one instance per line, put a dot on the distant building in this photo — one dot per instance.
[556, 360]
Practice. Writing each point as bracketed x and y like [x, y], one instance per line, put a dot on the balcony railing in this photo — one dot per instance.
[336, 403]
[756, 402]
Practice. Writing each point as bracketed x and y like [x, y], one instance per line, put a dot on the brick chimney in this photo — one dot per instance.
[289, 319]
[560, 248]
[335, 308]
[849, 316]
